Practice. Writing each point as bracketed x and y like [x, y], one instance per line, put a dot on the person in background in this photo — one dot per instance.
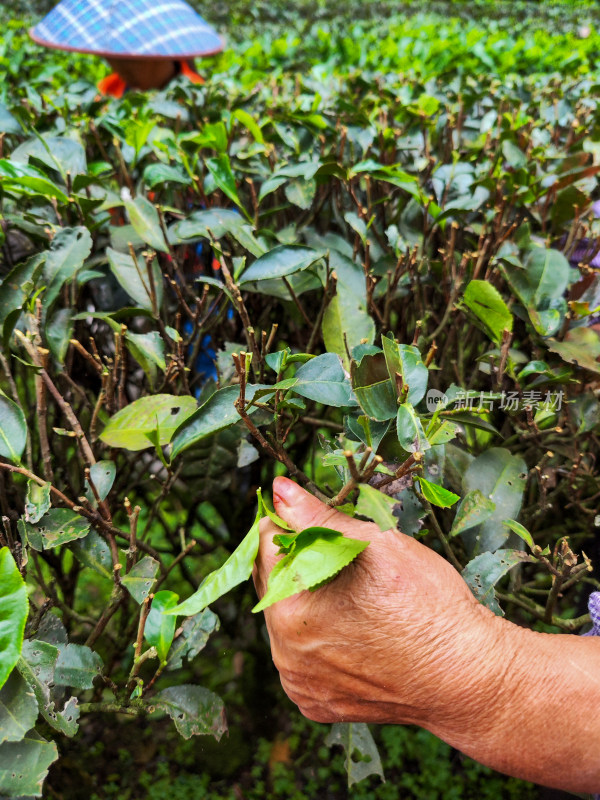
[147, 43]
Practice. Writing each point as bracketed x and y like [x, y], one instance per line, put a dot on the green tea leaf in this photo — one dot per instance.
[410, 431]
[220, 169]
[146, 222]
[283, 260]
[16, 287]
[437, 495]
[374, 389]
[581, 346]
[318, 555]
[18, 709]
[217, 222]
[234, 571]
[487, 304]
[346, 324]
[217, 413]
[13, 430]
[323, 379]
[160, 628]
[68, 251]
[405, 360]
[14, 608]
[155, 174]
[129, 428]
[376, 506]
[521, 531]
[134, 279]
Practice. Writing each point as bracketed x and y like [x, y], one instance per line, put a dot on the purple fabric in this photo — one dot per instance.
[594, 609]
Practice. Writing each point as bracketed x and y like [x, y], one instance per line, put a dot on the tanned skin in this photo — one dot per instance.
[398, 637]
[144, 74]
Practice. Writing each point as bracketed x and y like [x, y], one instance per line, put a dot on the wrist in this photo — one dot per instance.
[535, 689]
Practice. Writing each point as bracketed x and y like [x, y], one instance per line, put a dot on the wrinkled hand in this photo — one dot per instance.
[396, 637]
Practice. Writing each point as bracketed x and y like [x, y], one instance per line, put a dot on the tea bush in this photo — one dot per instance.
[356, 256]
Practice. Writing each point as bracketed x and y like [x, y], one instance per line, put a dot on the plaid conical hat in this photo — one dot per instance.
[128, 29]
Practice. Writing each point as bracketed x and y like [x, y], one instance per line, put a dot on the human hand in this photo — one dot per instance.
[396, 637]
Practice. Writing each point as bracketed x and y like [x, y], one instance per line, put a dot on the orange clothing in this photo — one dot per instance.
[114, 85]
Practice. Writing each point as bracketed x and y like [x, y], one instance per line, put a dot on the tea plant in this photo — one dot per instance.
[347, 257]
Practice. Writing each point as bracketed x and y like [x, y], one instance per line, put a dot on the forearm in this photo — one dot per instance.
[534, 702]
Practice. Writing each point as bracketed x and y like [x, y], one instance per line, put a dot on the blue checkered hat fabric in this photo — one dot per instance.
[128, 28]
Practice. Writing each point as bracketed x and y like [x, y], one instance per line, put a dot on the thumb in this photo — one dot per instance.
[302, 510]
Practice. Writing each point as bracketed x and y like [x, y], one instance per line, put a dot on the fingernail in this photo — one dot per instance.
[283, 490]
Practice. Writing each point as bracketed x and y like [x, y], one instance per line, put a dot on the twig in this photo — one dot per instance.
[186, 551]
[62, 404]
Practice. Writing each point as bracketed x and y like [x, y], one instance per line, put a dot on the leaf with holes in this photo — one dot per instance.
[195, 710]
[484, 572]
[474, 509]
[37, 665]
[195, 632]
[102, 475]
[24, 766]
[129, 428]
[37, 501]
[140, 578]
[77, 666]
[501, 477]
[57, 526]
[93, 552]
[362, 756]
